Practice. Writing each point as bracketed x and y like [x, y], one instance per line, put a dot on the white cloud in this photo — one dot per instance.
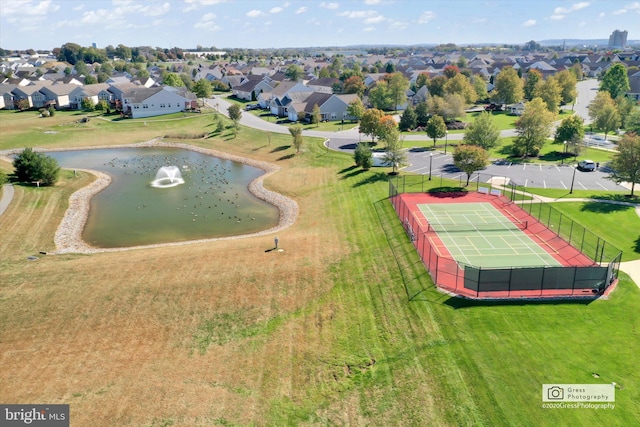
[619, 12]
[130, 8]
[301, 10]
[573, 8]
[197, 4]
[276, 9]
[374, 19]
[369, 29]
[79, 7]
[208, 17]
[329, 5]
[371, 2]
[27, 7]
[358, 14]
[634, 6]
[254, 13]
[398, 25]
[426, 17]
[529, 23]
[557, 17]
[602, 15]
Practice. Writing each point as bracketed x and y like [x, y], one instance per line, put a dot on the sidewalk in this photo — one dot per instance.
[7, 196]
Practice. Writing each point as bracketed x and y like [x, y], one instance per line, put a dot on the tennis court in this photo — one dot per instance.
[480, 235]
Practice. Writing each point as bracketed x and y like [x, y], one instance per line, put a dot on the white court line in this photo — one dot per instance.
[580, 184]
[544, 183]
[602, 186]
[564, 186]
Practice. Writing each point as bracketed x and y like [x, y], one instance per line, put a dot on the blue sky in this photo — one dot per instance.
[45, 24]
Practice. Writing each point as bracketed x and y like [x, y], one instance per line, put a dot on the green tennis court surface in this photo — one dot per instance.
[478, 234]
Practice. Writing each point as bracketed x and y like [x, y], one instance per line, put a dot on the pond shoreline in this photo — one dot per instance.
[68, 236]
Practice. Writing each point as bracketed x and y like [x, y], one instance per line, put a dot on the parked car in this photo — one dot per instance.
[587, 165]
[250, 107]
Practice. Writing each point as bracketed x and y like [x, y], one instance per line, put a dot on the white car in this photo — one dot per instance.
[587, 165]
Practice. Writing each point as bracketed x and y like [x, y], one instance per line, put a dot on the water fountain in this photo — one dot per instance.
[167, 176]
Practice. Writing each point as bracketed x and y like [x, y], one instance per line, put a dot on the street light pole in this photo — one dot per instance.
[564, 152]
[446, 140]
[430, 164]
[572, 180]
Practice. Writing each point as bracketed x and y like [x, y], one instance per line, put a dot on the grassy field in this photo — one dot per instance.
[323, 333]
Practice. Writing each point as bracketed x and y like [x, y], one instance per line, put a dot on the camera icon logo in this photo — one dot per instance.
[555, 393]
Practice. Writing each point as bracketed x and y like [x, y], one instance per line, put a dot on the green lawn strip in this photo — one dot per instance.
[611, 222]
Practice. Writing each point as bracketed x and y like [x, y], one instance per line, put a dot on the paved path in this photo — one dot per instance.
[7, 196]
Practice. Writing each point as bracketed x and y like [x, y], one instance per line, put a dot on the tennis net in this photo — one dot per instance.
[491, 226]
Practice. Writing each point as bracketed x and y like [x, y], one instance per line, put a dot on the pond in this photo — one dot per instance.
[212, 200]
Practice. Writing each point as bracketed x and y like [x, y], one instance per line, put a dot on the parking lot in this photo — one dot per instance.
[529, 175]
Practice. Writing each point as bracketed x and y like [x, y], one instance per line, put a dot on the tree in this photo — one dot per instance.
[52, 111]
[625, 106]
[235, 114]
[354, 84]
[483, 132]
[386, 127]
[380, 96]
[316, 115]
[87, 104]
[397, 86]
[363, 156]
[293, 72]
[422, 80]
[435, 106]
[625, 164]
[567, 82]
[533, 77]
[615, 81]
[570, 129]
[576, 70]
[470, 158]
[436, 128]
[460, 84]
[508, 87]
[394, 155]
[480, 86]
[436, 85]
[450, 71]
[296, 134]
[632, 124]
[370, 122]
[549, 91]
[601, 100]
[202, 88]
[422, 114]
[533, 128]
[454, 106]
[356, 109]
[90, 80]
[408, 119]
[3, 178]
[31, 166]
[608, 119]
[172, 79]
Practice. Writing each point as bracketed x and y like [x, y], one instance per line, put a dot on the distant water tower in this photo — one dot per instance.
[94, 45]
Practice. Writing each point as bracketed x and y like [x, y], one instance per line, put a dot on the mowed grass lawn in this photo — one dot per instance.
[324, 333]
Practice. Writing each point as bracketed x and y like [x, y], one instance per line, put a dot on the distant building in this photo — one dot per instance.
[618, 39]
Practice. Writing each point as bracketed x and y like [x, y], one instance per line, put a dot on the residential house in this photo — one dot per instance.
[268, 99]
[95, 92]
[30, 93]
[5, 90]
[147, 102]
[58, 95]
[332, 107]
[252, 87]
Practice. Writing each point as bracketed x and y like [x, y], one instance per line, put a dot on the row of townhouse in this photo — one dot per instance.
[136, 101]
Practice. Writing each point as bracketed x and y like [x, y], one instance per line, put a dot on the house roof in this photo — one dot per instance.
[140, 94]
[94, 89]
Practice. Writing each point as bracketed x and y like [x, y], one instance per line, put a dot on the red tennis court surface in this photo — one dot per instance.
[578, 276]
